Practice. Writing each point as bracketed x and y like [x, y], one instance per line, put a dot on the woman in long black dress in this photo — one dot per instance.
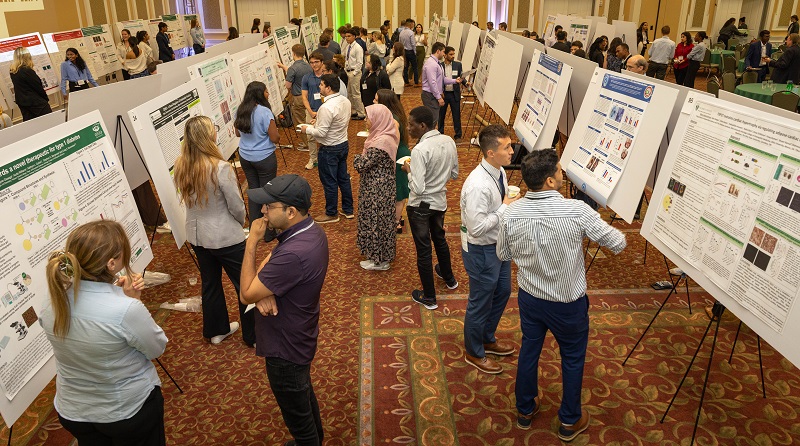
[376, 193]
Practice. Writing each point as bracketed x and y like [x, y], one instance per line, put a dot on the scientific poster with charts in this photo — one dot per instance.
[608, 141]
[159, 126]
[283, 40]
[485, 62]
[50, 183]
[549, 27]
[310, 36]
[95, 45]
[41, 61]
[442, 31]
[279, 74]
[542, 100]
[579, 31]
[731, 206]
[134, 26]
[224, 98]
[257, 64]
[177, 37]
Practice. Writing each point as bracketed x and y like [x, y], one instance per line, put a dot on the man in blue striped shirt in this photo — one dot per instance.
[543, 233]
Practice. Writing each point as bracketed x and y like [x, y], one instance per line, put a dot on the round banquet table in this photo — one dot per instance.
[716, 55]
[754, 91]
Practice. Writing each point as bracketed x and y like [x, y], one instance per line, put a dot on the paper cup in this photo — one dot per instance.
[513, 191]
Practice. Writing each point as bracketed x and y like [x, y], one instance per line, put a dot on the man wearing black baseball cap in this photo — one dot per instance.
[286, 291]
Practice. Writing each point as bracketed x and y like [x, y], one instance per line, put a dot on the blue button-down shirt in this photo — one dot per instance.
[69, 72]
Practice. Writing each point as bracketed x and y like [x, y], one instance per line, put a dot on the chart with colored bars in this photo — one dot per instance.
[86, 167]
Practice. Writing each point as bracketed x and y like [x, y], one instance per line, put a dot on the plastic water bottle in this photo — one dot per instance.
[789, 85]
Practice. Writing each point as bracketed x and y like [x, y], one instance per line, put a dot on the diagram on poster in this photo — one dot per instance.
[95, 45]
[41, 61]
[606, 144]
[256, 64]
[283, 42]
[542, 100]
[218, 80]
[279, 74]
[731, 207]
[134, 26]
[310, 35]
[177, 37]
[66, 176]
[549, 27]
[484, 64]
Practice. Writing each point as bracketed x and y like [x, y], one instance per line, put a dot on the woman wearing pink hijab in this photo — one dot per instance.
[376, 193]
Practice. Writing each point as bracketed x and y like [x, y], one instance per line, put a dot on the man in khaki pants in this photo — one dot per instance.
[354, 61]
[294, 83]
[312, 100]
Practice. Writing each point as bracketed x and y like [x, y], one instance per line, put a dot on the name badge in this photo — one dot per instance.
[317, 96]
[81, 83]
[455, 73]
[363, 86]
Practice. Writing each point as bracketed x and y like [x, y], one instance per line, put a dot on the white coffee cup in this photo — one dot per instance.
[513, 191]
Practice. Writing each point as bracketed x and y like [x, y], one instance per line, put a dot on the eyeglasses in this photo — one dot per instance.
[269, 206]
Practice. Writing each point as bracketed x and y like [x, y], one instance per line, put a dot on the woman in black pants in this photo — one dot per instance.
[695, 56]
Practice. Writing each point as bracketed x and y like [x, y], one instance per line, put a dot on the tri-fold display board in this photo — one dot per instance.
[616, 137]
[726, 210]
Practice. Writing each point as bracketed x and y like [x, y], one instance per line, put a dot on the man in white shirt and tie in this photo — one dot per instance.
[484, 199]
[353, 62]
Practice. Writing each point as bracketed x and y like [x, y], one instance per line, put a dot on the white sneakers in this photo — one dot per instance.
[370, 265]
[219, 338]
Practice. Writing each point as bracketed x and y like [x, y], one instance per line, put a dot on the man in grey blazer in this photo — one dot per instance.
[452, 93]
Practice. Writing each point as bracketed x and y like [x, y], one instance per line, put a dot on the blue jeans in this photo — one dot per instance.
[570, 326]
[332, 167]
[291, 385]
[489, 290]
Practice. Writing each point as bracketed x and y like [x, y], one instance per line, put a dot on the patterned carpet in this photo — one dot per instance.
[387, 371]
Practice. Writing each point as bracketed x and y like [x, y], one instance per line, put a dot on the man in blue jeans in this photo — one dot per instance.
[543, 233]
[329, 129]
[484, 199]
[286, 291]
[433, 163]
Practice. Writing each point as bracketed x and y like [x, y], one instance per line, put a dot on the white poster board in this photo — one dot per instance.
[484, 64]
[444, 31]
[470, 46]
[582, 75]
[257, 64]
[224, 96]
[22, 130]
[41, 61]
[455, 37]
[177, 36]
[726, 213]
[549, 27]
[283, 40]
[127, 96]
[95, 44]
[604, 29]
[541, 101]
[596, 20]
[50, 183]
[528, 47]
[627, 32]
[579, 30]
[503, 81]
[618, 131]
[279, 74]
[310, 36]
[159, 125]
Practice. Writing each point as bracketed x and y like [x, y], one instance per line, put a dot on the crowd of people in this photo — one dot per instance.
[91, 300]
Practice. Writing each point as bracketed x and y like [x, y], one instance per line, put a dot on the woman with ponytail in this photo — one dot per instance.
[103, 337]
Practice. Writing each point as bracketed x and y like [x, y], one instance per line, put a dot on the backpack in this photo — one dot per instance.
[395, 36]
[284, 119]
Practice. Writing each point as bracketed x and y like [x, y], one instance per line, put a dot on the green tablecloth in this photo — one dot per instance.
[716, 55]
[754, 91]
[741, 65]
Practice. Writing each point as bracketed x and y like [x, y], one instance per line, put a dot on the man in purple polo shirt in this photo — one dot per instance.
[286, 291]
[433, 81]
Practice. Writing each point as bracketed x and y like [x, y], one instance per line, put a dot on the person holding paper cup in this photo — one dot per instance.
[215, 214]
[680, 63]
[484, 199]
[104, 339]
[376, 194]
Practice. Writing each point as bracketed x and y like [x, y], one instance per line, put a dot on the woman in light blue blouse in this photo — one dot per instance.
[695, 57]
[75, 74]
[255, 124]
[103, 339]
[198, 38]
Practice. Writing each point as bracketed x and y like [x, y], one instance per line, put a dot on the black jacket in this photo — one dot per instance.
[562, 46]
[165, 53]
[373, 81]
[788, 66]
[456, 73]
[28, 89]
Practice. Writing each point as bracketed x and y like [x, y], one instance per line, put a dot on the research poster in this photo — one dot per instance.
[159, 126]
[310, 36]
[433, 32]
[579, 31]
[283, 41]
[544, 92]
[257, 64]
[279, 74]
[134, 26]
[731, 207]
[224, 98]
[177, 37]
[484, 64]
[49, 184]
[95, 45]
[608, 141]
[41, 61]
[549, 27]
[443, 31]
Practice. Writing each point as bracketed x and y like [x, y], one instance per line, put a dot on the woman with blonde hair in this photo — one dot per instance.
[395, 69]
[103, 338]
[377, 47]
[29, 93]
[214, 219]
[375, 236]
[198, 37]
